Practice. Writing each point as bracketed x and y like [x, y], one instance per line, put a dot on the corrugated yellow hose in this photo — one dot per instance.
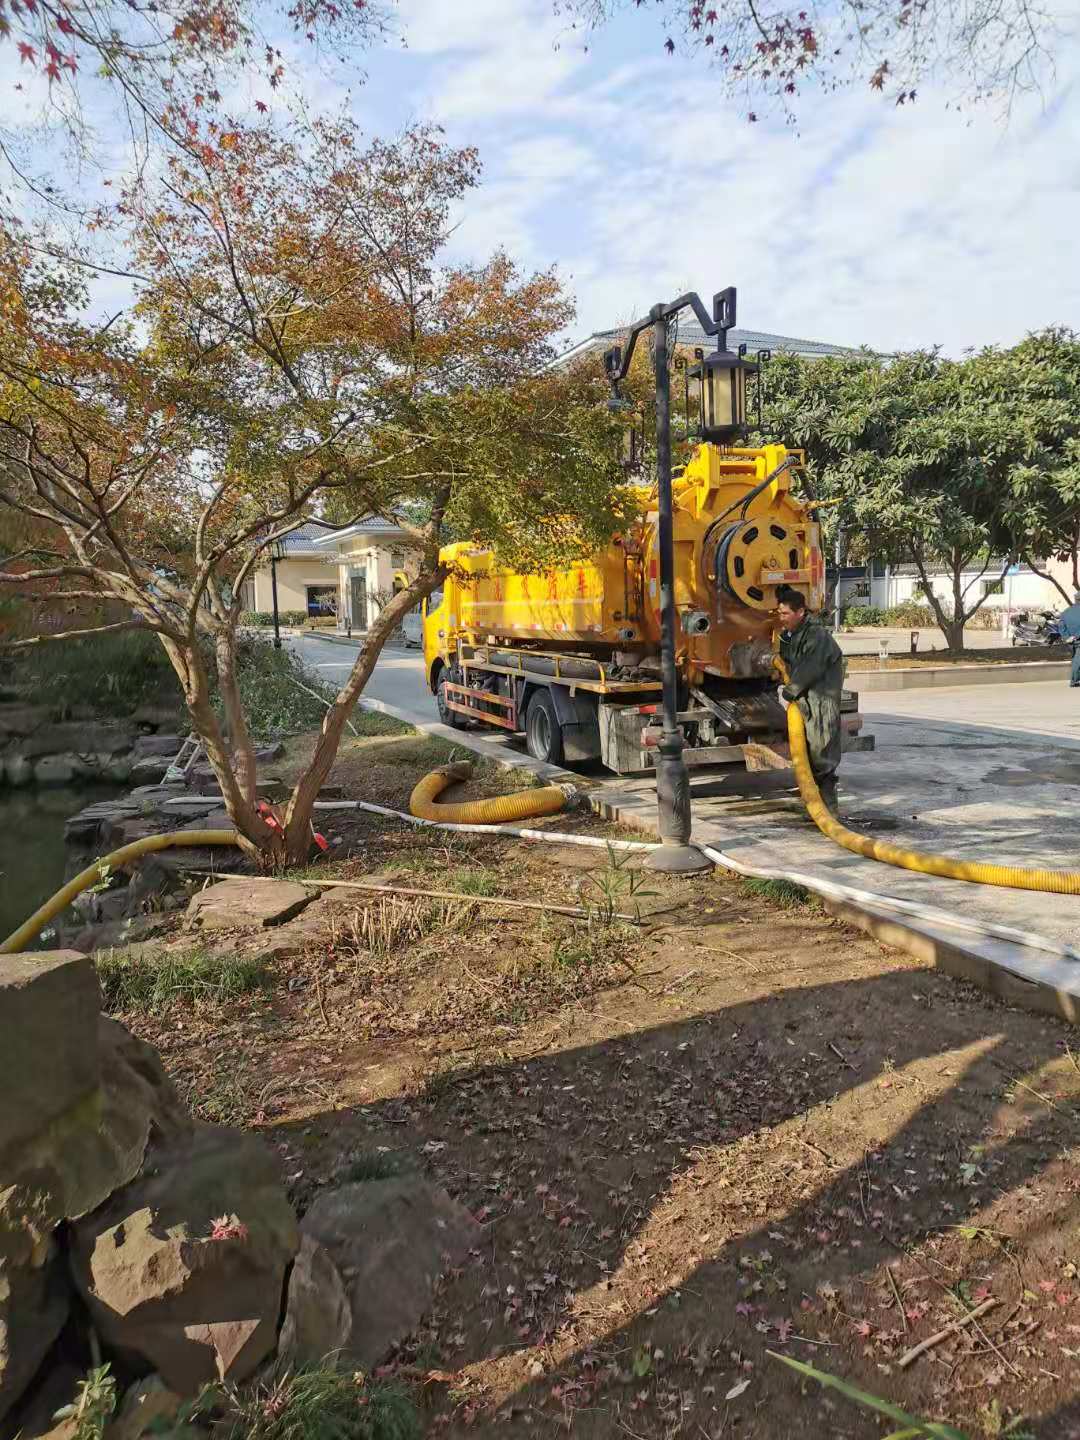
[979, 872]
[523, 805]
[94, 873]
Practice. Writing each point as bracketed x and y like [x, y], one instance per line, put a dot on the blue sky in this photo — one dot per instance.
[637, 176]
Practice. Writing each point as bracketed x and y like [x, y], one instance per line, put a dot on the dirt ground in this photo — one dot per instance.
[737, 1127]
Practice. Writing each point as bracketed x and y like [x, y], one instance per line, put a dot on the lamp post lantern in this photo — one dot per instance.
[277, 552]
[723, 392]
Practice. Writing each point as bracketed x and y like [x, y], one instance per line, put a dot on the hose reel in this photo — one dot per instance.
[739, 555]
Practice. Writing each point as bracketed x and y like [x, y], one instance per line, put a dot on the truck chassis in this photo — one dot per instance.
[576, 708]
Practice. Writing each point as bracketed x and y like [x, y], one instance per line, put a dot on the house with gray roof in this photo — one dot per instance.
[689, 333]
[330, 575]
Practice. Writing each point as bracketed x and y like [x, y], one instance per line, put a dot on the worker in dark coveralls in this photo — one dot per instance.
[1069, 629]
[816, 673]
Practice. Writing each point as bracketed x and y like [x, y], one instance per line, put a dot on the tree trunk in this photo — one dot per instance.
[946, 623]
[298, 813]
[243, 751]
[186, 661]
[1045, 575]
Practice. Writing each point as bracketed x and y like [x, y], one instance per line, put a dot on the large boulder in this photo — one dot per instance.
[33, 1294]
[390, 1240]
[167, 745]
[184, 1268]
[247, 904]
[49, 1003]
[318, 1315]
[75, 737]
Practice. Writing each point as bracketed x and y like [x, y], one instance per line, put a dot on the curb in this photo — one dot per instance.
[947, 676]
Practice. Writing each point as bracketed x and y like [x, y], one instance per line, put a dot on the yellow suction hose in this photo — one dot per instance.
[523, 805]
[94, 873]
[1056, 882]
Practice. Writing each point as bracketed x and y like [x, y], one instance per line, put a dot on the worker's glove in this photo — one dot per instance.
[782, 696]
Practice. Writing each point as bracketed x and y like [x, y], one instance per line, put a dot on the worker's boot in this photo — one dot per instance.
[829, 798]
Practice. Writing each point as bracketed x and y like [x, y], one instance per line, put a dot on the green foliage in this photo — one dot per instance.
[616, 889]
[941, 461]
[913, 1427]
[113, 673]
[151, 983]
[910, 614]
[95, 1401]
[864, 615]
[784, 893]
[279, 694]
[319, 1402]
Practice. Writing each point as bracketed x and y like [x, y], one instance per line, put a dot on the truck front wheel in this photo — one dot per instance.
[543, 735]
[446, 715]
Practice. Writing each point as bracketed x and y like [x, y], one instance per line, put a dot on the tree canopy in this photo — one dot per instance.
[943, 463]
[301, 347]
[977, 49]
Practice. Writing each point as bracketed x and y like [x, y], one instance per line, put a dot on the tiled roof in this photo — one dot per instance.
[691, 333]
[307, 537]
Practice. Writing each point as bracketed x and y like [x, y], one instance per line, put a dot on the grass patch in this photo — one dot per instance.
[151, 983]
[319, 1402]
[470, 882]
[374, 722]
[784, 893]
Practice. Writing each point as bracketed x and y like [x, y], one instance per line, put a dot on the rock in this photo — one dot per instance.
[149, 795]
[146, 1402]
[215, 820]
[126, 829]
[166, 745]
[118, 770]
[390, 1240]
[318, 1316]
[55, 770]
[33, 1295]
[18, 770]
[157, 717]
[117, 933]
[150, 770]
[22, 720]
[49, 1004]
[162, 1289]
[247, 904]
[77, 738]
[87, 826]
[264, 754]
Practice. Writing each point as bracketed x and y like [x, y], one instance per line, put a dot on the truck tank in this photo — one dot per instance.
[739, 533]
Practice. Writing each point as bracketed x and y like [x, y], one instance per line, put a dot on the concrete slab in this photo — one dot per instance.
[949, 786]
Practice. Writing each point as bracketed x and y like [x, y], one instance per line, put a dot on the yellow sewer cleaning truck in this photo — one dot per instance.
[572, 657]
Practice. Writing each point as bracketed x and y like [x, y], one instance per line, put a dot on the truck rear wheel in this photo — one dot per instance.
[543, 734]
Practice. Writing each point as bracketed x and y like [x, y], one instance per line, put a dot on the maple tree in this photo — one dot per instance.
[301, 347]
[978, 49]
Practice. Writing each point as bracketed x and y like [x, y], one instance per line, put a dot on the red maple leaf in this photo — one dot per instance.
[261, 107]
[65, 26]
[27, 53]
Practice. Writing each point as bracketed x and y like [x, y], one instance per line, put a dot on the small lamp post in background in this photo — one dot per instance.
[277, 552]
[723, 401]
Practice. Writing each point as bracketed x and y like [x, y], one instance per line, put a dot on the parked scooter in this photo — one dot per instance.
[1041, 629]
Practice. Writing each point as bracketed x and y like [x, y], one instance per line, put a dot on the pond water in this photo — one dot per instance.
[32, 845]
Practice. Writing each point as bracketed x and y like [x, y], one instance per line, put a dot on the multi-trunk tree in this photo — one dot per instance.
[964, 465]
[301, 346]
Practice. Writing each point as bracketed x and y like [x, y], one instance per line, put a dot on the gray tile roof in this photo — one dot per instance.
[304, 538]
[691, 333]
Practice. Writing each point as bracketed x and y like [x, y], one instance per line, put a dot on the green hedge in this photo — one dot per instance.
[864, 615]
[264, 621]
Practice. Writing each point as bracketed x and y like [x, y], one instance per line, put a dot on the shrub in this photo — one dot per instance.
[911, 613]
[152, 983]
[292, 617]
[864, 615]
[114, 673]
[256, 617]
[264, 619]
[279, 694]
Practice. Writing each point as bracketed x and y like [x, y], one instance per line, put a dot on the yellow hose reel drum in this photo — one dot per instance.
[750, 558]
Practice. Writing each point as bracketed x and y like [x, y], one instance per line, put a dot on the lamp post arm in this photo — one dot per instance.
[617, 359]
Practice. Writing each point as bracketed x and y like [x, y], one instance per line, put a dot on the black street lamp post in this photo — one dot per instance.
[277, 552]
[723, 383]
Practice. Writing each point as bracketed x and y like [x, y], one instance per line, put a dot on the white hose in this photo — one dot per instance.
[830, 889]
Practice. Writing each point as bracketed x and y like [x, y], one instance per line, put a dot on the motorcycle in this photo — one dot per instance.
[1041, 630]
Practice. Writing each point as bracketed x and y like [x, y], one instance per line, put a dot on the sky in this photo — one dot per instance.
[638, 177]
